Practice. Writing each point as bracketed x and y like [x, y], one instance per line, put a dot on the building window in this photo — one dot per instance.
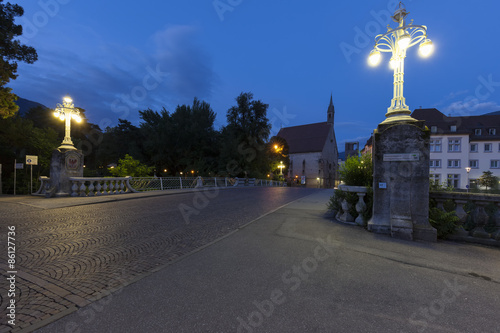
[454, 145]
[453, 163]
[435, 145]
[435, 163]
[434, 129]
[473, 148]
[434, 178]
[494, 164]
[492, 131]
[488, 148]
[453, 128]
[474, 164]
[477, 131]
[454, 180]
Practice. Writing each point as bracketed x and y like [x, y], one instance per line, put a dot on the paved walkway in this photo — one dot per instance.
[295, 270]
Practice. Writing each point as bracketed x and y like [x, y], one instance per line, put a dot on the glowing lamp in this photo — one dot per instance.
[426, 48]
[374, 58]
[404, 41]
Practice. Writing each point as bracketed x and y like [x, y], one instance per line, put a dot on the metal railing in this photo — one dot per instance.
[167, 183]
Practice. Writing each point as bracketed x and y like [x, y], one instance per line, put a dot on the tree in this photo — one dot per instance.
[488, 180]
[182, 141]
[243, 147]
[11, 51]
[128, 166]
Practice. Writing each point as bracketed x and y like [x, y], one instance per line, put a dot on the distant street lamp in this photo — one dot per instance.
[397, 41]
[468, 170]
[66, 111]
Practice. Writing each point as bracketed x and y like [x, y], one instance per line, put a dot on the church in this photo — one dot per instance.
[313, 152]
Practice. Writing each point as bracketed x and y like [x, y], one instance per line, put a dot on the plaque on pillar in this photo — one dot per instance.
[65, 163]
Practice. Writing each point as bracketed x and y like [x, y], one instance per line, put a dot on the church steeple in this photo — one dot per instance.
[331, 111]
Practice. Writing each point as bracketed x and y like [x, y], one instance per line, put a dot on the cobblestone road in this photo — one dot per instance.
[67, 257]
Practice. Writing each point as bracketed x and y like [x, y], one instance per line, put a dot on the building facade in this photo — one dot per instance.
[462, 148]
[313, 152]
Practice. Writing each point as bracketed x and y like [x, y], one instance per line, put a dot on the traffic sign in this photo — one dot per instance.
[31, 160]
[19, 166]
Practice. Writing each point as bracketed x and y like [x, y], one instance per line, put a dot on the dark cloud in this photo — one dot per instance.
[115, 81]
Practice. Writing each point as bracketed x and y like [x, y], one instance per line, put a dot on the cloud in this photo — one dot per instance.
[470, 106]
[188, 65]
[113, 80]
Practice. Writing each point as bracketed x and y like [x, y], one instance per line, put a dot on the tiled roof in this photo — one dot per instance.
[306, 138]
[464, 124]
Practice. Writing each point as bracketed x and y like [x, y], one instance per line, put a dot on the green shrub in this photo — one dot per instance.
[444, 222]
[357, 171]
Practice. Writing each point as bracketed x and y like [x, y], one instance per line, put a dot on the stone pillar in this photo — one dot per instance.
[65, 163]
[401, 181]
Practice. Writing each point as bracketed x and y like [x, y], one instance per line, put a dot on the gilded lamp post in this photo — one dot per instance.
[397, 41]
[66, 111]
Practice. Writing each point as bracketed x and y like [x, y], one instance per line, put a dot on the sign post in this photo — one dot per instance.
[31, 160]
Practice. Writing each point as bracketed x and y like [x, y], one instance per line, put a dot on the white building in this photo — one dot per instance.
[458, 143]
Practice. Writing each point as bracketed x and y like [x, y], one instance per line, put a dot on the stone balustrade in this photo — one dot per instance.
[88, 186]
[343, 214]
[479, 215]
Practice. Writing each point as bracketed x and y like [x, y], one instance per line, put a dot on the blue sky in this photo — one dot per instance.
[117, 57]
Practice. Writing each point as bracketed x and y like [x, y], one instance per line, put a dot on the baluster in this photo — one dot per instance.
[74, 188]
[496, 234]
[91, 188]
[105, 188]
[122, 185]
[360, 208]
[346, 217]
[481, 218]
[440, 204]
[111, 187]
[462, 215]
[82, 188]
[98, 188]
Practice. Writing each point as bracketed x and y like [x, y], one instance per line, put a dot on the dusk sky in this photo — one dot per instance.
[117, 57]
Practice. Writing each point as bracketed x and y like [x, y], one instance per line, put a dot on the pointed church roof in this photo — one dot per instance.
[331, 104]
[306, 138]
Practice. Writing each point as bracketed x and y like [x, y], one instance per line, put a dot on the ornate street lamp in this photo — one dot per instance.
[468, 185]
[397, 41]
[66, 111]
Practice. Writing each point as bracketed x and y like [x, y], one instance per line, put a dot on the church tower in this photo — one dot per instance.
[331, 111]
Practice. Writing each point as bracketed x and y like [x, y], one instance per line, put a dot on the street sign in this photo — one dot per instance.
[19, 165]
[31, 160]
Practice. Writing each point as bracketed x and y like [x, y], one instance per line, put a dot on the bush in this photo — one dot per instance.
[357, 171]
[444, 222]
[128, 166]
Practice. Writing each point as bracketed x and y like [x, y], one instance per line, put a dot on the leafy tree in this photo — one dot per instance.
[11, 51]
[182, 141]
[118, 141]
[243, 147]
[128, 166]
[488, 180]
[20, 137]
